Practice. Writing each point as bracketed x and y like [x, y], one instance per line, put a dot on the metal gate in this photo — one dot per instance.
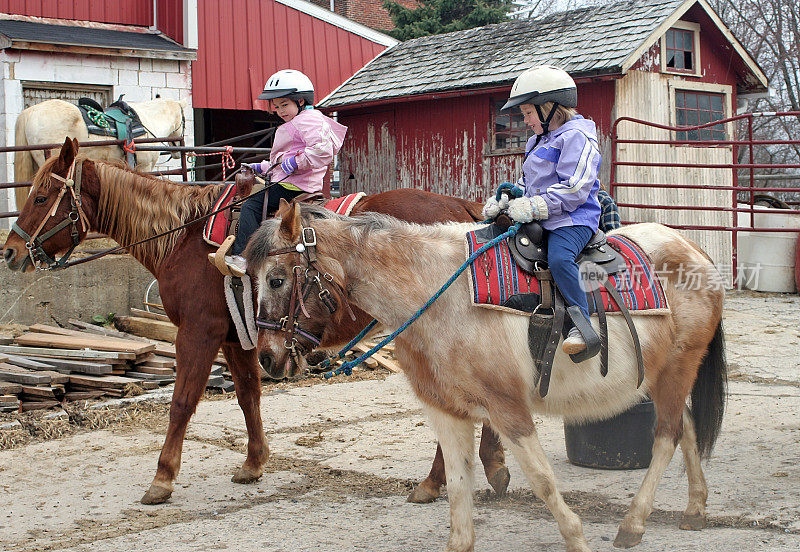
[705, 188]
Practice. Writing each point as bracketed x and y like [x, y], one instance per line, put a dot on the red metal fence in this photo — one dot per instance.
[160, 144]
[744, 181]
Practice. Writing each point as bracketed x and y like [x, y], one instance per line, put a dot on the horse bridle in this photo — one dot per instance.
[310, 276]
[34, 242]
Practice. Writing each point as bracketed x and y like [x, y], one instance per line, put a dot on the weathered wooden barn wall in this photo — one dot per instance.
[646, 93]
[443, 145]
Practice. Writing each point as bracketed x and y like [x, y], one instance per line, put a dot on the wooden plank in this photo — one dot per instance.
[6, 339]
[37, 405]
[73, 396]
[10, 388]
[151, 315]
[33, 392]
[28, 363]
[390, 365]
[66, 353]
[154, 329]
[55, 377]
[126, 342]
[102, 330]
[16, 374]
[150, 377]
[80, 366]
[78, 342]
[157, 361]
[113, 382]
[155, 370]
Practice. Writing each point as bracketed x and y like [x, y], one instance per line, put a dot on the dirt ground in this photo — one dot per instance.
[346, 454]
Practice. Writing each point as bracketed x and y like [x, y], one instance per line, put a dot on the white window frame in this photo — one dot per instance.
[693, 86]
[683, 26]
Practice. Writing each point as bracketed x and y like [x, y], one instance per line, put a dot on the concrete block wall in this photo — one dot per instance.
[140, 79]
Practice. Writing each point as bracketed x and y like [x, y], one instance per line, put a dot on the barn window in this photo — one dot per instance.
[509, 131]
[680, 48]
[697, 108]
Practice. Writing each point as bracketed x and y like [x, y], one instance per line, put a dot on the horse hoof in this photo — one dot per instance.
[245, 475]
[499, 481]
[693, 522]
[156, 495]
[421, 495]
[626, 539]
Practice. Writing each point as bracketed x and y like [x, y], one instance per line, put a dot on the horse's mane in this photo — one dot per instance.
[42, 180]
[134, 206]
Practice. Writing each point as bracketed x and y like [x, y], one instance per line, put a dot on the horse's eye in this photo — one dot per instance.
[40, 199]
[275, 283]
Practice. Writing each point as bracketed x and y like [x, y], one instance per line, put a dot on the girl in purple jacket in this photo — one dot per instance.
[559, 181]
[303, 148]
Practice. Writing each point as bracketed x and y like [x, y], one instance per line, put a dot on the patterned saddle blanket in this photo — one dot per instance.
[498, 282]
[222, 224]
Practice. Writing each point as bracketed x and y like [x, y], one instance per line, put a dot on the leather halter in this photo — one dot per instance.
[34, 242]
[303, 280]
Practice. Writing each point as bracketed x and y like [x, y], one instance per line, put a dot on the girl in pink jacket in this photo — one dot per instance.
[304, 146]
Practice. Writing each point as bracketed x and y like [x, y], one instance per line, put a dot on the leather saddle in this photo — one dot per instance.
[550, 318]
[118, 120]
[529, 249]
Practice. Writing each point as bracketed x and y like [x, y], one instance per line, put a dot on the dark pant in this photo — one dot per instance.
[252, 210]
[563, 247]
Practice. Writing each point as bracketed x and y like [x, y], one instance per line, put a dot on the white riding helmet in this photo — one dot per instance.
[289, 83]
[540, 84]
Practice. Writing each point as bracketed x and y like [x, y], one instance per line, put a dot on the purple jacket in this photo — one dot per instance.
[562, 169]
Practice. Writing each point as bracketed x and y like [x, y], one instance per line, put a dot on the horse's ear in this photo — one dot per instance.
[68, 152]
[289, 214]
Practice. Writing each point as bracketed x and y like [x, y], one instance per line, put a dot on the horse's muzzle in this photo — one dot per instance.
[15, 262]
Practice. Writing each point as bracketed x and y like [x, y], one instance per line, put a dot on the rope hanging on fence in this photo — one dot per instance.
[227, 159]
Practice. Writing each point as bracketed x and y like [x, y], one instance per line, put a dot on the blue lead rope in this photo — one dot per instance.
[347, 367]
[325, 363]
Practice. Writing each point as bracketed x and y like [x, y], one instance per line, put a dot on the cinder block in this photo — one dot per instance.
[178, 80]
[88, 75]
[133, 93]
[152, 79]
[166, 65]
[128, 77]
[96, 61]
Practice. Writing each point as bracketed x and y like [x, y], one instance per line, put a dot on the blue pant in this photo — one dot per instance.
[563, 247]
[252, 212]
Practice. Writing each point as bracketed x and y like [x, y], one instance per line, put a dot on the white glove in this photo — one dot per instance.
[494, 207]
[526, 209]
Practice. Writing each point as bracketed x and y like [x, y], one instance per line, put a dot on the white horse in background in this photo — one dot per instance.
[52, 121]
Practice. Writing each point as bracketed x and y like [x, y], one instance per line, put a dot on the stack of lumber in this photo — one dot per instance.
[48, 365]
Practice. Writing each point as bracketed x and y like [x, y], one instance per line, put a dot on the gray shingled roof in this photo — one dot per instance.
[86, 36]
[586, 41]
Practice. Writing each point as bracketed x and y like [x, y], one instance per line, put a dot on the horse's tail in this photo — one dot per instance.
[23, 160]
[709, 394]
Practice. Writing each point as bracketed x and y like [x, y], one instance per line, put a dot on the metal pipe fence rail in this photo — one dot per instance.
[149, 144]
[743, 171]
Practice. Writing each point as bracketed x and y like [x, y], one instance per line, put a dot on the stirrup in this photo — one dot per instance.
[218, 258]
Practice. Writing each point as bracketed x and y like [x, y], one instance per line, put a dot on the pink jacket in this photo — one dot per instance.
[314, 140]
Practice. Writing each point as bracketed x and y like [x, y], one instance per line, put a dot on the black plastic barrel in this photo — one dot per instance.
[624, 442]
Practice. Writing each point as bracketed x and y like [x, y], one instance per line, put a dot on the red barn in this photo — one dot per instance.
[425, 113]
[243, 43]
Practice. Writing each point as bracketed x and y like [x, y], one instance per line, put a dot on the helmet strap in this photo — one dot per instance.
[544, 120]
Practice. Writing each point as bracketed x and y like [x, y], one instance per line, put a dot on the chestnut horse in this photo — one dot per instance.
[128, 207]
[468, 364]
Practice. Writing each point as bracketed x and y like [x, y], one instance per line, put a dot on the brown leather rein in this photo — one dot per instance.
[311, 276]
